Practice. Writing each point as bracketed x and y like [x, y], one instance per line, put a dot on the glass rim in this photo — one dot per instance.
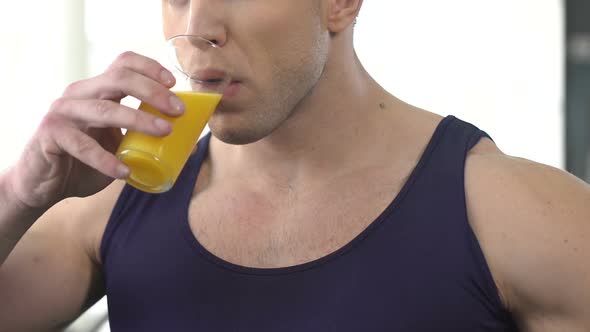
[208, 41]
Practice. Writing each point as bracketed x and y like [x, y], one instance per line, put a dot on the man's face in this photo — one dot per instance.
[278, 50]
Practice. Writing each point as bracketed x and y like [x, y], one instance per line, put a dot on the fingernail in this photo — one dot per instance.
[167, 77]
[123, 172]
[163, 124]
[177, 104]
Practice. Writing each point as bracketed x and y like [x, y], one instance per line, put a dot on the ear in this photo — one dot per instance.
[342, 13]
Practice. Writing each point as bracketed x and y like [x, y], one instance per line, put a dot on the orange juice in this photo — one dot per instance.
[156, 162]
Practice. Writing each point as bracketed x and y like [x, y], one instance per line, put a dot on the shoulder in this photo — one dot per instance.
[489, 172]
[533, 224]
[500, 184]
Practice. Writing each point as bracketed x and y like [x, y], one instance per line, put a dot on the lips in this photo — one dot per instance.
[210, 76]
[232, 89]
[216, 80]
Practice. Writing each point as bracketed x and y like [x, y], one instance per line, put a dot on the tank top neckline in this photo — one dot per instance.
[195, 246]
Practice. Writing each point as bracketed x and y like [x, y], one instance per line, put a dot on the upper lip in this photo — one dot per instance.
[211, 74]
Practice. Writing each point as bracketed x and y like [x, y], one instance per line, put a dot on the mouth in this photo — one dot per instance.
[232, 89]
[212, 84]
[210, 76]
[216, 80]
[213, 81]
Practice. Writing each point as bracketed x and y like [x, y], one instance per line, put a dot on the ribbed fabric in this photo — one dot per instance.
[417, 267]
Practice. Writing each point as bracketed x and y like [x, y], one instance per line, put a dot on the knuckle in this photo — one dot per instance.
[71, 89]
[125, 57]
[118, 73]
[106, 160]
[136, 119]
[162, 93]
[103, 107]
[84, 145]
[158, 96]
[49, 121]
[50, 127]
[58, 104]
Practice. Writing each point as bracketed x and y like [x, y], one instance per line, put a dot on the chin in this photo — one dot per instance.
[234, 138]
[236, 135]
[241, 127]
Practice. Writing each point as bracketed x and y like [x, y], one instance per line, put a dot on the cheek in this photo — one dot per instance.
[279, 42]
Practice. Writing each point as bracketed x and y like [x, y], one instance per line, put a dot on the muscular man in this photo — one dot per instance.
[320, 202]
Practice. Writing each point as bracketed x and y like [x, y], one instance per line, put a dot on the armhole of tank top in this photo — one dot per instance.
[113, 222]
[476, 249]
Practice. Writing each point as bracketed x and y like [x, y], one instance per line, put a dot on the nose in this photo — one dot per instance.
[205, 19]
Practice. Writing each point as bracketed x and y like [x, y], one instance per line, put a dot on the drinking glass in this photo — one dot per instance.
[202, 75]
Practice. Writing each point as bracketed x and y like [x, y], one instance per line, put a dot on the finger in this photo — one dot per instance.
[136, 62]
[145, 66]
[109, 114]
[88, 151]
[120, 82]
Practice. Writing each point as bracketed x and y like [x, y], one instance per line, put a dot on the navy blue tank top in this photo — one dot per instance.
[417, 267]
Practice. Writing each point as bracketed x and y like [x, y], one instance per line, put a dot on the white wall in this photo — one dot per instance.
[115, 26]
[35, 46]
[497, 64]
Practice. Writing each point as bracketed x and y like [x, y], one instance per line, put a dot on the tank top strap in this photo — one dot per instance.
[446, 162]
[187, 179]
[132, 203]
[438, 203]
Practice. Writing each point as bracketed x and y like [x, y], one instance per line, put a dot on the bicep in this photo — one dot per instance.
[553, 281]
[54, 272]
[534, 225]
[48, 279]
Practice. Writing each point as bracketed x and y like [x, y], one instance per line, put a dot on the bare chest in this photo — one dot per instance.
[255, 229]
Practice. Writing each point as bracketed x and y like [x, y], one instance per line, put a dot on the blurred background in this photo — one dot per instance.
[518, 69]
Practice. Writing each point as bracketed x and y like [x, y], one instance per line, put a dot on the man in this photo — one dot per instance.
[320, 202]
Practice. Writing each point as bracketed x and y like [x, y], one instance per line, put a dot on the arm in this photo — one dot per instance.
[15, 218]
[53, 273]
[533, 223]
[49, 269]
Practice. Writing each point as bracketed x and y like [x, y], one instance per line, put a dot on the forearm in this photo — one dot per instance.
[15, 218]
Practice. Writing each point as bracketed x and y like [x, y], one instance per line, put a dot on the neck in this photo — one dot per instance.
[333, 126]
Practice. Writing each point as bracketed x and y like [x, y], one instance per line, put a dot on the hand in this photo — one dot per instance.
[72, 151]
